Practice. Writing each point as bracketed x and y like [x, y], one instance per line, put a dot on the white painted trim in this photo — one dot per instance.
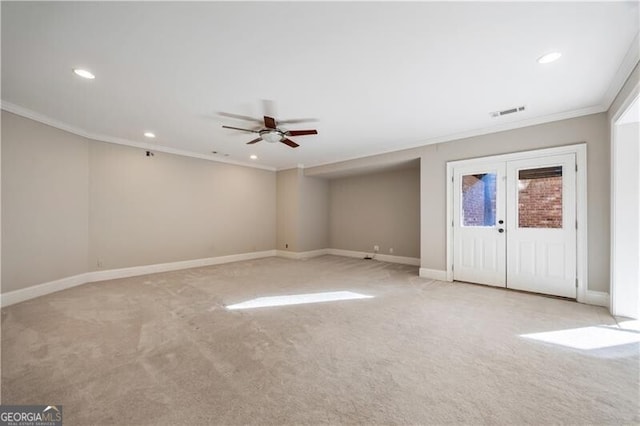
[301, 255]
[434, 274]
[413, 261]
[598, 298]
[566, 115]
[349, 253]
[27, 113]
[176, 266]
[631, 59]
[629, 62]
[17, 296]
[522, 155]
[624, 106]
[449, 223]
[32, 292]
[634, 94]
[403, 260]
[287, 254]
[582, 242]
[582, 256]
[43, 289]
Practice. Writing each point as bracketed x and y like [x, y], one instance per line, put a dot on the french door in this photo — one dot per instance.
[514, 224]
[478, 229]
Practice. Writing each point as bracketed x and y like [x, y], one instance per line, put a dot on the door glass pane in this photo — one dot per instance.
[479, 200]
[540, 198]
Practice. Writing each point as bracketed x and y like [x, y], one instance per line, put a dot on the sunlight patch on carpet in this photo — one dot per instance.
[630, 325]
[298, 299]
[587, 338]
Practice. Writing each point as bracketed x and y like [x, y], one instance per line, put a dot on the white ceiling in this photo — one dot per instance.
[378, 76]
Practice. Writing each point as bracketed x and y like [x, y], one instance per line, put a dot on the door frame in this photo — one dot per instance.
[617, 288]
[580, 151]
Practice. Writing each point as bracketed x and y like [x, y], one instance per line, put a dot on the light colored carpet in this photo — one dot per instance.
[163, 350]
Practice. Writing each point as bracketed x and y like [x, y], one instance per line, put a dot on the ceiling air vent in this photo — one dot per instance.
[506, 111]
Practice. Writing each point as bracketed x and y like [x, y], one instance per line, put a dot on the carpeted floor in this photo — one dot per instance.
[163, 350]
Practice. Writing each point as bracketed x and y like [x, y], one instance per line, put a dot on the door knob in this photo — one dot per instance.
[501, 221]
[501, 230]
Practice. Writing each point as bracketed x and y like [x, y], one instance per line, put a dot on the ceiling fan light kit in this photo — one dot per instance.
[271, 136]
[271, 133]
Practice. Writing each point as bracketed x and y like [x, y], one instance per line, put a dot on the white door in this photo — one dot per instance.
[541, 225]
[479, 246]
[514, 224]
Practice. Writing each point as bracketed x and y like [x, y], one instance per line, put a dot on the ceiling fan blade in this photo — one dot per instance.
[301, 132]
[289, 142]
[269, 122]
[254, 141]
[240, 117]
[298, 120]
[244, 130]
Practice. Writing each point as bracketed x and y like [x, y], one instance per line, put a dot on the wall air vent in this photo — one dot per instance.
[506, 111]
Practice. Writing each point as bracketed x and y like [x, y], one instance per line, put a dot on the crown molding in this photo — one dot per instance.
[631, 59]
[27, 113]
[24, 112]
[565, 115]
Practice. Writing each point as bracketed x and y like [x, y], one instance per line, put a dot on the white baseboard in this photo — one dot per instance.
[348, 253]
[598, 298]
[17, 296]
[413, 261]
[301, 255]
[112, 274]
[12, 297]
[434, 274]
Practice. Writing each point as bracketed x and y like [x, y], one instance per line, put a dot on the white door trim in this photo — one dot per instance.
[614, 291]
[580, 150]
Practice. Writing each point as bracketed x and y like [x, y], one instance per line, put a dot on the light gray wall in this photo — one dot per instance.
[303, 211]
[69, 203]
[145, 210]
[314, 213]
[47, 175]
[377, 209]
[45, 194]
[288, 202]
[592, 129]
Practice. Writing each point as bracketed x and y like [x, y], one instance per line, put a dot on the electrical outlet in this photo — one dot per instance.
[286, 246]
[99, 263]
[391, 250]
[376, 248]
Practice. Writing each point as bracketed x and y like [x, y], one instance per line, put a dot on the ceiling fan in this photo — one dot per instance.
[270, 132]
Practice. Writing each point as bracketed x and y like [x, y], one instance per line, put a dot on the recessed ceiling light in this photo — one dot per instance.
[549, 57]
[84, 73]
[149, 135]
[253, 157]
